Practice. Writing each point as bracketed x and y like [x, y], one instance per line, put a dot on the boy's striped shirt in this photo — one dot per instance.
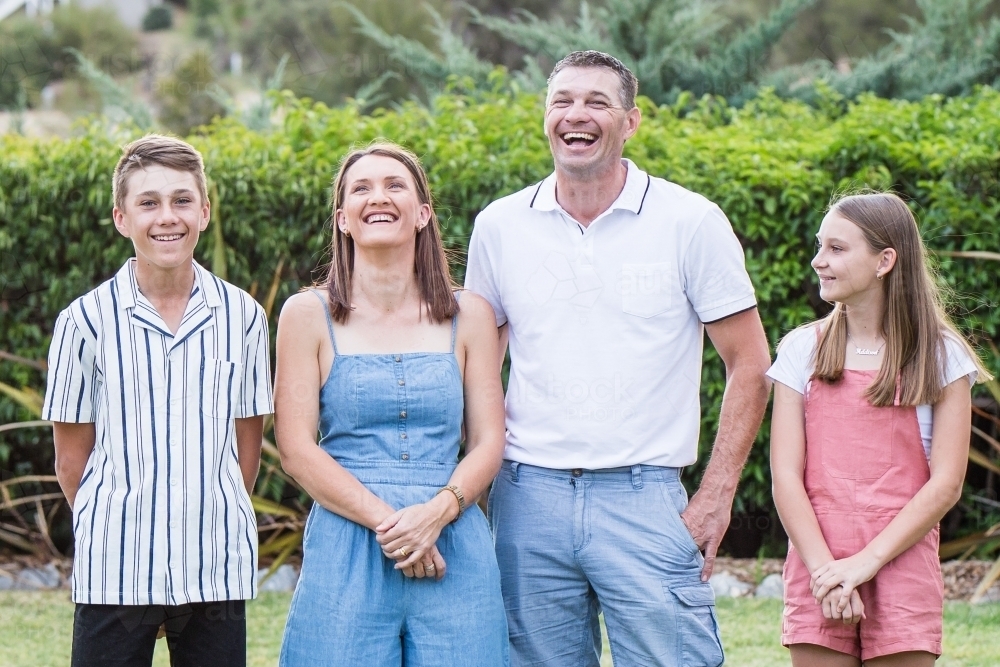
[161, 515]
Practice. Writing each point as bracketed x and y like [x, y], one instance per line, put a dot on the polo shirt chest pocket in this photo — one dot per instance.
[219, 388]
[648, 289]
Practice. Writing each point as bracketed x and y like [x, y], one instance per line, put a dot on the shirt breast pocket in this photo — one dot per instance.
[219, 388]
[647, 289]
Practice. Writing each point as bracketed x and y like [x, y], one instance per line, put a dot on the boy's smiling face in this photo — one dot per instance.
[163, 215]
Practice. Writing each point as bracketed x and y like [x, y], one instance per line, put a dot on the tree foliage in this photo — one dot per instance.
[671, 45]
[678, 46]
[954, 48]
[33, 55]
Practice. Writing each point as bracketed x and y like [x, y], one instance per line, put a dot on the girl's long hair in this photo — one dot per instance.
[914, 322]
[430, 264]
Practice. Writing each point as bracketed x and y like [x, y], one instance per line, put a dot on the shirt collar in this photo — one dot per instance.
[128, 289]
[631, 197]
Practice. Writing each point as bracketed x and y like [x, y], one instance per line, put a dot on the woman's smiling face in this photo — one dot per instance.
[381, 207]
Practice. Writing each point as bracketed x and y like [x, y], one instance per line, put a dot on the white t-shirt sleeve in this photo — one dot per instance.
[715, 278]
[795, 360]
[957, 362]
[481, 272]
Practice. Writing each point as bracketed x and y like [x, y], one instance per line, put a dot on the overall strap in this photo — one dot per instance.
[454, 322]
[329, 320]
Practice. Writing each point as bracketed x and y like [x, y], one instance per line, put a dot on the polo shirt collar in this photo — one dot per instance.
[631, 197]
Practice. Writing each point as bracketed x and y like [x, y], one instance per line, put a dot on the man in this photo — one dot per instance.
[158, 383]
[603, 279]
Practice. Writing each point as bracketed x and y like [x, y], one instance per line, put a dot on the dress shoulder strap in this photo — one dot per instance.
[329, 320]
[454, 321]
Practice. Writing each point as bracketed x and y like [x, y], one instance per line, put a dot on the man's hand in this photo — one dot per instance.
[707, 518]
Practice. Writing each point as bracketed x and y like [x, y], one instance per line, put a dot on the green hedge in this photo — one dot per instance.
[771, 166]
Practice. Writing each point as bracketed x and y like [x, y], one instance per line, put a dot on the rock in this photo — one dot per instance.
[726, 585]
[6, 581]
[37, 578]
[992, 595]
[772, 587]
[284, 579]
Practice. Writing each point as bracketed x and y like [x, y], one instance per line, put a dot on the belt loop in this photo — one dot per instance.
[637, 477]
[513, 469]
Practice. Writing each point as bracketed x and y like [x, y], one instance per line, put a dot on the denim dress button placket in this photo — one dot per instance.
[404, 445]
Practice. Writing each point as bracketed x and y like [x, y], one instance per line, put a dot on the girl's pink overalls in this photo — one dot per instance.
[863, 464]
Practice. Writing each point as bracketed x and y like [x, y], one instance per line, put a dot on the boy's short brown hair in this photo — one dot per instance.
[165, 151]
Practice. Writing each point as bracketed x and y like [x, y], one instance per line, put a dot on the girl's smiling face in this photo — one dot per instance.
[847, 267]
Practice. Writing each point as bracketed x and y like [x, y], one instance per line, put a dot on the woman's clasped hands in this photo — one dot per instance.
[409, 536]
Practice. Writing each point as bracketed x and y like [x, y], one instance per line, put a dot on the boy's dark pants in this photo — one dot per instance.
[209, 634]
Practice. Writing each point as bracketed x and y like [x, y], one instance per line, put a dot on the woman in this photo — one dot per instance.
[869, 445]
[389, 363]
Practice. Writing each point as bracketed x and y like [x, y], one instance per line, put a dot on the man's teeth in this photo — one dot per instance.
[579, 135]
[379, 217]
[168, 237]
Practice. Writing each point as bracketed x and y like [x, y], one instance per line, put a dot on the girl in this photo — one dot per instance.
[398, 567]
[869, 445]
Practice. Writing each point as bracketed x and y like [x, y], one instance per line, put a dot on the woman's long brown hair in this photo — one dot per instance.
[914, 322]
[430, 264]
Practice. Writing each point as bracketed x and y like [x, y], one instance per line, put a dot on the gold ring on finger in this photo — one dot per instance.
[402, 552]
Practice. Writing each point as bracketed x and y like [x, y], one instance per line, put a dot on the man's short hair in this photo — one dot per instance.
[158, 149]
[628, 85]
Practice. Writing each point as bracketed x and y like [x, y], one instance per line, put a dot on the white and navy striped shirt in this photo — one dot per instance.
[161, 515]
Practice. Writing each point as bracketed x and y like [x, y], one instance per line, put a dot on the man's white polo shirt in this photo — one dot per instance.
[606, 322]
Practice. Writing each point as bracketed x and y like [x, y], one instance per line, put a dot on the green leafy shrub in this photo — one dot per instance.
[771, 165]
[158, 18]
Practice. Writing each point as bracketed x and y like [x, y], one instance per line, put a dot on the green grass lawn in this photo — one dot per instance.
[36, 628]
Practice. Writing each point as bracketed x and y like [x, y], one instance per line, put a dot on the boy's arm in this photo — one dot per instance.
[74, 443]
[249, 435]
[256, 400]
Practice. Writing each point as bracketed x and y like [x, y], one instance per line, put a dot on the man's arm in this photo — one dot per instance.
[249, 436]
[741, 343]
[74, 443]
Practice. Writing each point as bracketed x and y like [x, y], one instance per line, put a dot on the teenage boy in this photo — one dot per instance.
[158, 384]
[605, 280]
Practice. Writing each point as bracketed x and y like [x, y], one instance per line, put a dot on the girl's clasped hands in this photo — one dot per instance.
[835, 587]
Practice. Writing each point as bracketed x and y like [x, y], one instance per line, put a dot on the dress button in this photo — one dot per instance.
[398, 359]
[402, 415]
[577, 472]
[405, 457]
[402, 382]
[402, 436]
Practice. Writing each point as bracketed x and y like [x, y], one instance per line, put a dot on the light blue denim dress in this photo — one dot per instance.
[394, 421]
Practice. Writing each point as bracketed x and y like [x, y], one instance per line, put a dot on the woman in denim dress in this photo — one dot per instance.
[398, 566]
